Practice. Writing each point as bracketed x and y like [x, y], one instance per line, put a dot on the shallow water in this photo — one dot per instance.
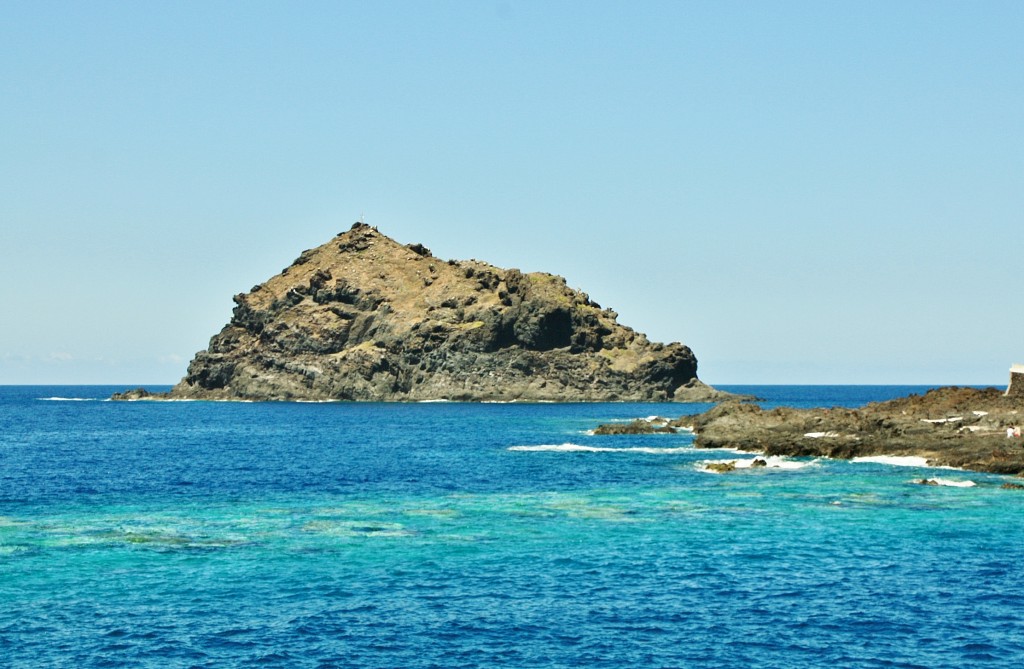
[452, 535]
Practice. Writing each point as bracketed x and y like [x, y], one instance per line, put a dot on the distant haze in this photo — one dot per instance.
[802, 192]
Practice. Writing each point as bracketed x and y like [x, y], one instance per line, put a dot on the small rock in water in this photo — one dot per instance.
[135, 394]
[637, 426]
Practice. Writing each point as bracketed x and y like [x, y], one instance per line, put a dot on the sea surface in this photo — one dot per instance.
[208, 534]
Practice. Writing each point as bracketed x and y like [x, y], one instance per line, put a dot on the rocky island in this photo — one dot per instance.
[364, 317]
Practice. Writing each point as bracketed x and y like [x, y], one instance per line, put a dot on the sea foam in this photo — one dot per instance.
[896, 460]
[771, 462]
[948, 483]
[579, 448]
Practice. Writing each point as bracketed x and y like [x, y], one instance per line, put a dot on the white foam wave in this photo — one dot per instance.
[948, 482]
[896, 460]
[771, 462]
[903, 461]
[657, 420]
[579, 448]
[737, 451]
[69, 399]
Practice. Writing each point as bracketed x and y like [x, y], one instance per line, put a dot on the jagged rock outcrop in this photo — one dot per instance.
[653, 425]
[968, 428]
[366, 318]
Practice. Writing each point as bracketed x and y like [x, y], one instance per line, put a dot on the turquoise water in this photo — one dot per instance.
[454, 535]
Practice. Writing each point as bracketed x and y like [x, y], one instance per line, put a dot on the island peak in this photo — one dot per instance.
[364, 317]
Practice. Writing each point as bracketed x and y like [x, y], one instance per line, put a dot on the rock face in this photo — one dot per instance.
[957, 427]
[366, 318]
[697, 391]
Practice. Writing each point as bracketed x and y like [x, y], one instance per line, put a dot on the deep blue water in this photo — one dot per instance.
[480, 535]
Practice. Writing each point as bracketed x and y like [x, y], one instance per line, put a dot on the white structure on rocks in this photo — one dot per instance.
[1016, 387]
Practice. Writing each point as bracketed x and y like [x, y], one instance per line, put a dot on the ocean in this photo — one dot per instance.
[208, 534]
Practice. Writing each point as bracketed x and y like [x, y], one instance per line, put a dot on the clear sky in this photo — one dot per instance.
[803, 192]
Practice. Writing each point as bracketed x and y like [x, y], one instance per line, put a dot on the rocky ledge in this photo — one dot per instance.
[364, 317]
[954, 427]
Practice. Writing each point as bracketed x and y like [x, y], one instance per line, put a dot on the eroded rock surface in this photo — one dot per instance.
[366, 318]
[638, 426]
[957, 427]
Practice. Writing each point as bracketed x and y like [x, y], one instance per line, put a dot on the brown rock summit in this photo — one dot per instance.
[365, 318]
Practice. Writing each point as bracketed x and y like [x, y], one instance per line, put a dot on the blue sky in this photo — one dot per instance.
[803, 192]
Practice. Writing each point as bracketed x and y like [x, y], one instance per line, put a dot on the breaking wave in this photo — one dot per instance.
[896, 460]
[947, 482]
[771, 462]
[579, 448]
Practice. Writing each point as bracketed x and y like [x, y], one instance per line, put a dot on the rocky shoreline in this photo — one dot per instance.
[957, 427]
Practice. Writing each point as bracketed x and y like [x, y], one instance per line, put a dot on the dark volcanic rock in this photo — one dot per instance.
[697, 391]
[638, 426]
[365, 318]
[956, 427]
[135, 394]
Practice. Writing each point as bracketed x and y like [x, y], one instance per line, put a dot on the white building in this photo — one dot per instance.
[1016, 387]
